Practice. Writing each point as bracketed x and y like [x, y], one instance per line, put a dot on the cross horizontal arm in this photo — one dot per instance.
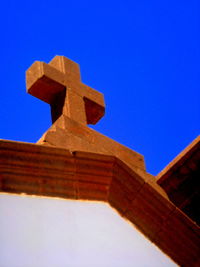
[44, 81]
[59, 84]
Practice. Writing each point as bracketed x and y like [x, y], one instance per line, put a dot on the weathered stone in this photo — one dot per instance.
[73, 161]
[58, 83]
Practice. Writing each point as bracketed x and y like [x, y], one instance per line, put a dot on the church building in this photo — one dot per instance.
[103, 187]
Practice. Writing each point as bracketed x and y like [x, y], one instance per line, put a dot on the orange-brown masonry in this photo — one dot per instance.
[73, 106]
[59, 84]
[73, 161]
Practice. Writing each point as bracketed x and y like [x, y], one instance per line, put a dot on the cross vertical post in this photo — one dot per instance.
[59, 84]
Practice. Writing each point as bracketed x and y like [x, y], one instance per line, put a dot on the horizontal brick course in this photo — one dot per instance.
[55, 172]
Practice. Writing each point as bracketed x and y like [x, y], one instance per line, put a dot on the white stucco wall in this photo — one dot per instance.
[44, 232]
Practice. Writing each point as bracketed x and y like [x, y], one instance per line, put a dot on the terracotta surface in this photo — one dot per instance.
[180, 180]
[59, 84]
[56, 172]
[75, 162]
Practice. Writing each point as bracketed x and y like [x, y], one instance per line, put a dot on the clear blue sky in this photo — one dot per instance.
[144, 56]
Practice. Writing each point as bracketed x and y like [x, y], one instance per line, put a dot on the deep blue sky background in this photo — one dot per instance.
[144, 56]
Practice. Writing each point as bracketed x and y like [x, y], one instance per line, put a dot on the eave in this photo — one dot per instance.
[55, 172]
[181, 180]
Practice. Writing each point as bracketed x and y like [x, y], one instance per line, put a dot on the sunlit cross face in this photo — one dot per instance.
[59, 84]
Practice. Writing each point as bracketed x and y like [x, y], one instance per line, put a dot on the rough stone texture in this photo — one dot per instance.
[73, 105]
[75, 162]
[178, 231]
[72, 135]
[59, 84]
[56, 172]
[143, 209]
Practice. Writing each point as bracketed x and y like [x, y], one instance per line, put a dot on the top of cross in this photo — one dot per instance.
[59, 84]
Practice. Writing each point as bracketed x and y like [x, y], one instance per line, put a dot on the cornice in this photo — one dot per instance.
[56, 172]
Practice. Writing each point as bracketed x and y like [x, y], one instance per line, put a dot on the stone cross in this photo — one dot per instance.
[59, 84]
